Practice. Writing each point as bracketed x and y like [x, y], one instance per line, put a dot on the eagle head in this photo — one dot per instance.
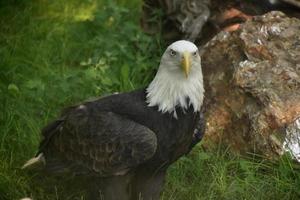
[179, 80]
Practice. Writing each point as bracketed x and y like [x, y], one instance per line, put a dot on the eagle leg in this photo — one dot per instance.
[110, 188]
[148, 186]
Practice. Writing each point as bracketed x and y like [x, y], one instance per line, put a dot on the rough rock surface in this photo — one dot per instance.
[200, 20]
[293, 2]
[252, 79]
[292, 139]
[183, 18]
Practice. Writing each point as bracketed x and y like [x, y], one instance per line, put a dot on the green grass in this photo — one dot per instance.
[57, 53]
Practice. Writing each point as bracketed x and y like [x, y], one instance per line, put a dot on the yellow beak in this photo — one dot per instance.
[186, 63]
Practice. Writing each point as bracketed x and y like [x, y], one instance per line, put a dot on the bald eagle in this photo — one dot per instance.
[127, 141]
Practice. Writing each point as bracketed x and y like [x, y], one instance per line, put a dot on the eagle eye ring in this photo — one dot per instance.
[172, 52]
[195, 53]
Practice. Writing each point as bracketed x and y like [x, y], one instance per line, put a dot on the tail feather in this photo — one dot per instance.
[35, 162]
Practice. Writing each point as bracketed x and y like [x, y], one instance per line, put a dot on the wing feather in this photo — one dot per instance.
[101, 142]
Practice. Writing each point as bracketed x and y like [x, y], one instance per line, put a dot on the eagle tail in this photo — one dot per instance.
[35, 162]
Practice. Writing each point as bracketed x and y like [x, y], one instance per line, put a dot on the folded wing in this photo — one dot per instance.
[89, 141]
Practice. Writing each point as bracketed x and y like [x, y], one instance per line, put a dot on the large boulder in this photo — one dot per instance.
[252, 82]
[251, 75]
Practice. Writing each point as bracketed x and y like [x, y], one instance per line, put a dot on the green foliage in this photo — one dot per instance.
[57, 53]
[222, 175]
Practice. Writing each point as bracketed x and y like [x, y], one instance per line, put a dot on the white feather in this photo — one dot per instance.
[35, 161]
[170, 87]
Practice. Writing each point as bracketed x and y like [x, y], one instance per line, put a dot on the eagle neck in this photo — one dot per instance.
[169, 91]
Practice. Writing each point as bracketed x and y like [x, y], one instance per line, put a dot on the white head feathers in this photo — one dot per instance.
[172, 87]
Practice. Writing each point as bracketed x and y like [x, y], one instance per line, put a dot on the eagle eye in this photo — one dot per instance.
[172, 52]
[195, 53]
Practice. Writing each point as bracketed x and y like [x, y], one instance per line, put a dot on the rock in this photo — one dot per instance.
[200, 20]
[252, 82]
[184, 18]
[293, 2]
[292, 139]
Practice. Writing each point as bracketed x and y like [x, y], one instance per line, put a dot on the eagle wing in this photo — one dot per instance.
[101, 142]
[199, 130]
